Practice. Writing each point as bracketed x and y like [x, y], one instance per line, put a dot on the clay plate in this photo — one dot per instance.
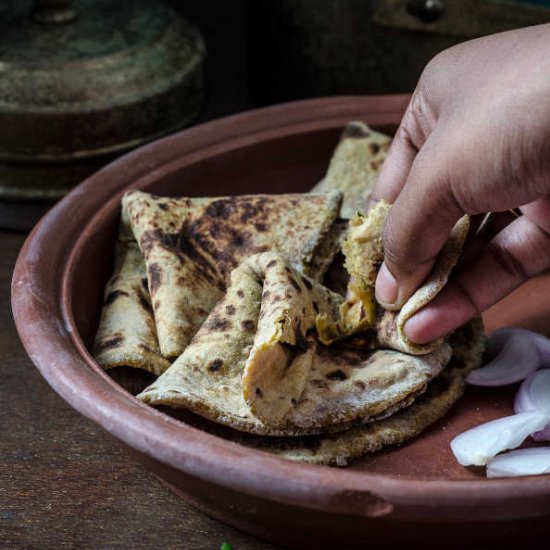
[414, 494]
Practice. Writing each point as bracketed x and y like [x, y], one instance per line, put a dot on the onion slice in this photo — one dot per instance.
[499, 337]
[523, 462]
[534, 395]
[517, 359]
[475, 447]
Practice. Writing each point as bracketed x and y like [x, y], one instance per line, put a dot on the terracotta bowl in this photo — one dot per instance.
[414, 494]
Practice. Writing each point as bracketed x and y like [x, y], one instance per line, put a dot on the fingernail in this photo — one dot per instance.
[386, 287]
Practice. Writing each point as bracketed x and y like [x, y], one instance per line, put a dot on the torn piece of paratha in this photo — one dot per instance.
[354, 166]
[282, 355]
[364, 253]
[191, 245]
[255, 364]
[127, 335]
[328, 249]
[338, 449]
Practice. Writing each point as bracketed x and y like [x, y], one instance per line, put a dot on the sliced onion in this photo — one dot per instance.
[499, 337]
[478, 445]
[517, 359]
[524, 462]
[534, 395]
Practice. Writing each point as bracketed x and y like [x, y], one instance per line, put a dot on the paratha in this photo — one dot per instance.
[191, 245]
[328, 250]
[363, 249]
[338, 449]
[127, 334]
[354, 166]
[269, 310]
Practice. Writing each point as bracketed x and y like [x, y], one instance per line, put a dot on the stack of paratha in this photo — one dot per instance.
[229, 302]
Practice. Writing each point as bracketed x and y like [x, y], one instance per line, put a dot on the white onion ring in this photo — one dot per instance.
[524, 462]
[517, 354]
[534, 395]
[517, 358]
[498, 338]
[475, 447]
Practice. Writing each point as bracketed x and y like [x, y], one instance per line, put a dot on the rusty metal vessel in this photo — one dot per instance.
[82, 82]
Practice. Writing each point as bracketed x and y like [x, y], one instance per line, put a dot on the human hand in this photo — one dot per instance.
[475, 138]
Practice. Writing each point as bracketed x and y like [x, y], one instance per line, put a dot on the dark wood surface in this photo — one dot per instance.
[63, 483]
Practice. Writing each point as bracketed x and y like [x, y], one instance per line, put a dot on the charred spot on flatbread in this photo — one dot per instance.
[109, 343]
[112, 296]
[154, 271]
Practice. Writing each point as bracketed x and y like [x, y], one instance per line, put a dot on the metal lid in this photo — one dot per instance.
[75, 90]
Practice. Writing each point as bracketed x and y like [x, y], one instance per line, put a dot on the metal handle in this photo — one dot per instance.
[53, 11]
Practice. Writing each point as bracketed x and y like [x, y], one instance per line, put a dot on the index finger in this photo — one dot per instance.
[396, 167]
[408, 139]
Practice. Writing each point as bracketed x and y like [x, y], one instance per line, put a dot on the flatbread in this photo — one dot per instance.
[191, 245]
[127, 334]
[363, 249]
[330, 390]
[339, 449]
[327, 251]
[388, 429]
[355, 166]
[282, 356]
[364, 252]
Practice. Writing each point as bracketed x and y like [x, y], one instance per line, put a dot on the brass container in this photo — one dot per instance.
[83, 82]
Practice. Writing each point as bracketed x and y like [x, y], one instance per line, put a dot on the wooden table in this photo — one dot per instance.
[63, 484]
